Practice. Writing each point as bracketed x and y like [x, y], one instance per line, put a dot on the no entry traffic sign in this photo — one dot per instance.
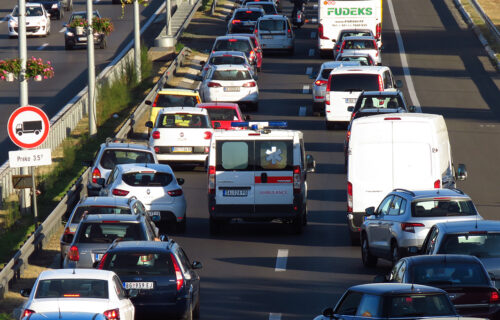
[28, 127]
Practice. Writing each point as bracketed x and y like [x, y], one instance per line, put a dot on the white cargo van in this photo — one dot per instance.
[336, 15]
[389, 151]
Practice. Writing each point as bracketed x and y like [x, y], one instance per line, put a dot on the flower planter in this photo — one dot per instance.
[9, 77]
[37, 78]
[79, 31]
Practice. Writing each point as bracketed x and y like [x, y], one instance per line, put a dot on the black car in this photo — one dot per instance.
[463, 276]
[391, 301]
[78, 37]
[53, 7]
[167, 281]
[244, 20]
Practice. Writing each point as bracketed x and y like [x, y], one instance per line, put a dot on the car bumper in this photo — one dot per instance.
[217, 96]
[182, 158]
[30, 31]
[332, 116]
[168, 310]
[326, 45]
[168, 211]
[277, 46]
[82, 40]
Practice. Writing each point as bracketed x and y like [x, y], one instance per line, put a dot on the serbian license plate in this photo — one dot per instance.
[235, 192]
[267, 37]
[351, 100]
[231, 89]
[82, 38]
[139, 285]
[182, 149]
[98, 256]
[154, 213]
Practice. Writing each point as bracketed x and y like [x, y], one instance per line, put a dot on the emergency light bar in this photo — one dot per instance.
[256, 125]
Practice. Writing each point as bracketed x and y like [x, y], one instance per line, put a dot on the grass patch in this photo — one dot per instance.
[5, 316]
[495, 46]
[179, 46]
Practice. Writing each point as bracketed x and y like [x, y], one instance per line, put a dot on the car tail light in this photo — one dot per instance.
[343, 46]
[213, 85]
[319, 97]
[289, 33]
[349, 197]
[380, 83]
[27, 312]
[207, 135]
[250, 84]
[248, 11]
[410, 227]
[337, 48]
[378, 31]
[73, 254]
[156, 135]
[347, 136]
[157, 149]
[320, 33]
[96, 174]
[353, 115]
[68, 231]
[178, 273]
[235, 22]
[320, 82]
[113, 314]
[392, 118]
[494, 297]
[103, 260]
[156, 101]
[175, 193]
[437, 184]
[233, 40]
[211, 180]
[252, 55]
[296, 180]
[119, 192]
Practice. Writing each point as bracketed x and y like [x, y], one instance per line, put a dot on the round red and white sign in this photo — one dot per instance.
[28, 127]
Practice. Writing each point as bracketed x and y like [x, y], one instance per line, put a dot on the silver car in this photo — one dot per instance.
[404, 218]
[362, 45]
[226, 57]
[275, 33]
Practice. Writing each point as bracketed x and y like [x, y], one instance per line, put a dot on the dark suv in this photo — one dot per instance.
[167, 281]
[74, 37]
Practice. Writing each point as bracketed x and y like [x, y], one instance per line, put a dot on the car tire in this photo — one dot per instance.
[214, 226]
[196, 311]
[181, 226]
[395, 252]
[255, 106]
[259, 69]
[298, 224]
[189, 314]
[369, 260]
[323, 54]
[68, 46]
[103, 44]
[354, 238]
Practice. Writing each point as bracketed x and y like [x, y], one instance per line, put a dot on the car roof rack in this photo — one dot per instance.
[404, 190]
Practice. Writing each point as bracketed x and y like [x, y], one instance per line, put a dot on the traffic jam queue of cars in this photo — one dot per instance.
[402, 206]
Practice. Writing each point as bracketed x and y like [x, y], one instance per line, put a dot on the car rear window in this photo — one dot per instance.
[421, 305]
[231, 75]
[481, 245]
[364, 61]
[147, 179]
[72, 288]
[442, 208]
[274, 155]
[449, 274]
[272, 25]
[354, 82]
[109, 231]
[171, 100]
[355, 34]
[359, 44]
[234, 155]
[111, 157]
[222, 114]
[227, 60]
[140, 263]
[246, 15]
[184, 120]
[98, 210]
[326, 73]
[233, 45]
[380, 102]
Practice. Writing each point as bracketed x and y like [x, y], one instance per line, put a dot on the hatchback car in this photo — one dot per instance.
[96, 233]
[404, 217]
[73, 37]
[223, 115]
[226, 57]
[167, 281]
[351, 33]
[268, 6]
[231, 83]
[275, 33]
[172, 97]
[391, 301]
[72, 290]
[112, 153]
[364, 59]
[37, 21]
[463, 276]
[362, 45]
[257, 48]
[237, 43]
[96, 205]
[244, 20]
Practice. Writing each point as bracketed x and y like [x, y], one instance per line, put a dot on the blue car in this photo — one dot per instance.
[160, 271]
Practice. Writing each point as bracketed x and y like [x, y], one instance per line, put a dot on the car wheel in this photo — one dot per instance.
[297, 224]
[368, 259]
[196, 311]
[181, 226]
[103, 44]
[395, 252]
[68, 46]
[214, 226]
[189, 314]
[259, 69]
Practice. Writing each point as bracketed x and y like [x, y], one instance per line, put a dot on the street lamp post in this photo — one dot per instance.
[137, 41]
[91, 71]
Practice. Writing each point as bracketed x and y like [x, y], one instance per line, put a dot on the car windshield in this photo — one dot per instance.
[479, 244]
[269, 8]
[363, 60]
[82, 15]
[227, 59]
[147, 179]
[72, 288]
[109, 231]
[443, 208]
[233, 45]
[185, 120]
[173, 100]
[359, 44]
[381, 102]
[111, 157]
[30, 12]
[80, 211]
[140, 263]
[449, 274]
[354, 82]
[421, 305]
[231, 75]
[246, 15]
[222, 114]
[272, 25]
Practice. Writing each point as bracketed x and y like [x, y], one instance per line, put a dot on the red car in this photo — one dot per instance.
[256, 45]
[223, 114]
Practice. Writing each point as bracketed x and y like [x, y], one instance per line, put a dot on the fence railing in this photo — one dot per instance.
[486, 20]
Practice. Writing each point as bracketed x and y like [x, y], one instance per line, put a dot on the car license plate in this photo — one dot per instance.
[154, 213]
[232, 89]
[235, 192]
[139, 285]
[267, 37]
[97, 256]
[82, 38]
[351, 100]
[182, 149]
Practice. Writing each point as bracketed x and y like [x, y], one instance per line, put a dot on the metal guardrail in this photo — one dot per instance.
[486, 20]
[14, 268]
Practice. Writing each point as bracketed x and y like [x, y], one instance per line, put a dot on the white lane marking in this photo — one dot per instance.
[274, 316]
[315, 6]
[402, 55]
[314, 20]
[305, 89]
[313, 34]
[62, 30]
[97, 1]
[302, 111]
[311, 52]
[281, 260]
[42, 46]
[309, 70]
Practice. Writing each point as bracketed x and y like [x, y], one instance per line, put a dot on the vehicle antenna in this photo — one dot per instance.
[59, 309]
[74, 271]
[412, 286]
[476, 221]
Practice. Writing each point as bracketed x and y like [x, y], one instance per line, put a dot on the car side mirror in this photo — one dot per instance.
[196, 265]
[216, 125]
[461, 172]
[310, 164]
[399, 84]
[132, 293]
[148, 102]
[25, 292]
[412, 109]
[328, 312]
[380, 278]
[492, 276]
[180, 181]
[247, 117]
[101, 181]
[370, 211]
[149, 124]
[350, 109]
[412, 250]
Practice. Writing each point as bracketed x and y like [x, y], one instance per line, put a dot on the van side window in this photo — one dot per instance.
[234, 155]
[273, 155]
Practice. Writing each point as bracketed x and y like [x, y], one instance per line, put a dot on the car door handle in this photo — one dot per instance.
[263, 177]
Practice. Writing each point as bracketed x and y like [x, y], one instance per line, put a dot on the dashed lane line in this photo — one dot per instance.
[309, 70]
[302, 111]
[313, 34]
[314, 20]
[281, 260]
[315, 6]
[305, 89]
[62, 30]
[311, 52]
[274, 316]
[43, 46]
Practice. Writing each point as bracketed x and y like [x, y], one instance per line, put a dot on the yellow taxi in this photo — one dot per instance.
[173, 97]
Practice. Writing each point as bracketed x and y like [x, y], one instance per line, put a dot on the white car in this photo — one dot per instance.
[361, 44]
[37, 21]
[231, 83]
[181, 135]
[79, 290]
[155, 186]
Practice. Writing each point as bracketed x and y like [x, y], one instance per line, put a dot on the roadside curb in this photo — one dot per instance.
[465, 15]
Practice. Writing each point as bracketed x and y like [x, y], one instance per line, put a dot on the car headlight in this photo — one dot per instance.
[54, 6]
[69, 33]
